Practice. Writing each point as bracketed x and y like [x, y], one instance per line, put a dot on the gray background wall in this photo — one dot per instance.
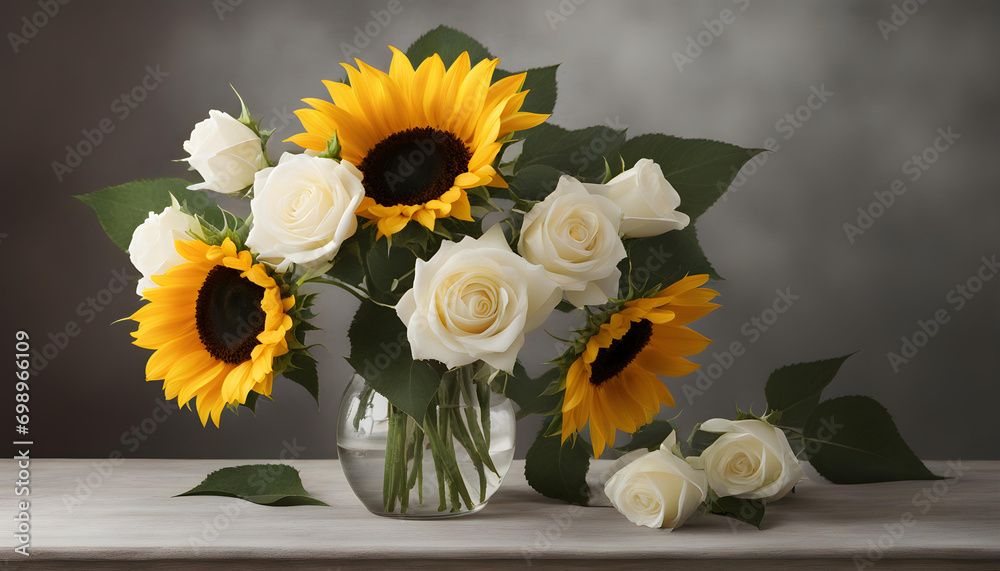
[782, 228]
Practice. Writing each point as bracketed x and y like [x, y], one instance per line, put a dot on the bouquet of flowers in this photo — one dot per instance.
[439, 195]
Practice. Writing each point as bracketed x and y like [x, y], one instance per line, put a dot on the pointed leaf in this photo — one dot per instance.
[559, 471]
[580, 153]
[265, 484]
[381, 354]
[526, 392]
[794, 391]
[664, 259]
[649, 436]
[448, 43]
[853, 440]
[699, 169]
[302, 371]
[121, 209]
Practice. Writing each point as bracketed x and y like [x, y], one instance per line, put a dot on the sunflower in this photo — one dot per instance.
[614, 383]
[420, 137]
[217, 322]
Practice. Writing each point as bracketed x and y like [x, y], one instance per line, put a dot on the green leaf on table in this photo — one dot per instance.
[559, 471]
[664, 259]
[448, 43]
[853, 440]
[381, 354]
[580, 153]
[121, 209]
[649, 437]
[540, 83]
[526, 392]
[264, 484]
[748, 511]
[699, 169]
[794, 391]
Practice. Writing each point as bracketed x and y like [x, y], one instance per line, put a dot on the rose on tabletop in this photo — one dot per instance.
[225, 152]
[751, 460]
[152, 250]
[303, 210]
[574, 235]
[647, 200]
[474, 300]
[657, 489]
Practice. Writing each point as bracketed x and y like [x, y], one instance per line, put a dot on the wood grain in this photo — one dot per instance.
[127, 518]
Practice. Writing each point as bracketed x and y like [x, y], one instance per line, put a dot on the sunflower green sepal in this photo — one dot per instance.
[332, 149]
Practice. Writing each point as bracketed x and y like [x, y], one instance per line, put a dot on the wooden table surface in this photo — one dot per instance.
[123, 517]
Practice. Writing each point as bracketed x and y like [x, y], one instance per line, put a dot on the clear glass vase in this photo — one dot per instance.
[447, 467]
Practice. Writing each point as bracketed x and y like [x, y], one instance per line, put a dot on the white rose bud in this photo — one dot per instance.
[574, 235]
[474, 300]
[751, 460]
[658, 489]
[303, 210]
[647, 200]
[225, 152]
[152, 248]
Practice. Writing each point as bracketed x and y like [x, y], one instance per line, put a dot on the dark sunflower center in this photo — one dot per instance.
[228, 315]
[413, 166]
[613, 359]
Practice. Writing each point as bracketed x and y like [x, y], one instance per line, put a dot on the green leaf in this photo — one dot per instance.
[664, 259]
[448, 43]
[265, 484]
[121, 209]
[699, 169]
[650, 436]
[534, 182]
[794, 391]
[390, 270]
[527, 392]
[700, 440]
[580, 153]
[251, 402]
[559, 471]
[540, 83]
[749, 511]
[381, 354]
[853, 440]
[302, 371]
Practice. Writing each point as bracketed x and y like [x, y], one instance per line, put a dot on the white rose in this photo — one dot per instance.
[751, 460]
[152, 248]
[647, 200]
[574, 235]
[225, 152]
[474, 300]
[303, 210]
[658, 489]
